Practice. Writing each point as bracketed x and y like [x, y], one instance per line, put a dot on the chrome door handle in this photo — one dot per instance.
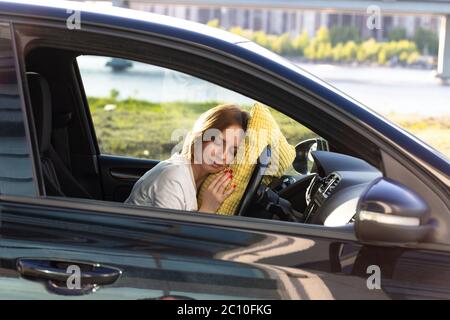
[57, 272]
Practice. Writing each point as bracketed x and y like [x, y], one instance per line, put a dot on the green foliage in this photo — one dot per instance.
[319, 47]
[397, 34]
[349, 51]
[322, 35]
[114, 94]
[427, 41]
[299, 43]
[368, 50]
[343, 35]
[345, 52]
[413, 57]
[342, 44]
[214, 23]
[261, 38]
[282, 44]
[139, 128]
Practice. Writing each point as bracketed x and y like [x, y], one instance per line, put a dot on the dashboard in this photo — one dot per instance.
[333, 188]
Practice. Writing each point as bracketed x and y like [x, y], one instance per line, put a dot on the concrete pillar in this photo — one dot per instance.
[277, 21]
[225, 17]
[324, 19]
[265, 18]
[239, 18]
[339, 20]
[251, 18]
[298, 27]
[194, 13]
[443, 67]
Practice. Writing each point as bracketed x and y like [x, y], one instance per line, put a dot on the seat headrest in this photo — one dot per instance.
[42, 108]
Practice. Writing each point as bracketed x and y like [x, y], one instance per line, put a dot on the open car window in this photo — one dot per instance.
[144, 111]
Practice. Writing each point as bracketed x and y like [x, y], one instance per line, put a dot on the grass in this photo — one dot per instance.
[432, 130]
[143, 129]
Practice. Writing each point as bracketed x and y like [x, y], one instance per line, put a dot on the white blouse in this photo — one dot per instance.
[170, 184]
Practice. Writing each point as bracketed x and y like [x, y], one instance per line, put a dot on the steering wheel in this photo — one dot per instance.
[250, 193]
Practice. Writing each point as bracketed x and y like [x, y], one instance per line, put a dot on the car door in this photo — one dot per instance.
[54, 248]
[47, 244]
[152, 253]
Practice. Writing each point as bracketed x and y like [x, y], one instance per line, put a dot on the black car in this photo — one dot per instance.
[375, 199]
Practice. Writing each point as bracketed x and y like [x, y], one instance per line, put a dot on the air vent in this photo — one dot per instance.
[331, 182]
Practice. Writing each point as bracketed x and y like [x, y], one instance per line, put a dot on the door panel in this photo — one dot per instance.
[164, 257]
[119, 174]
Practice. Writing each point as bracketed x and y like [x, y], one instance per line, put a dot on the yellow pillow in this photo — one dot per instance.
[262, 130]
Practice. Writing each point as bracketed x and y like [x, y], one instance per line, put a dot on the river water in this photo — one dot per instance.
[385, 90]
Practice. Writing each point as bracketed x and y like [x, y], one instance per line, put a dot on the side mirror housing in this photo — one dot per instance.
[303, 161]
[390, 212]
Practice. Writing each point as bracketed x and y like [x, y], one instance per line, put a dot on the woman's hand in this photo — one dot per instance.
[216, 192]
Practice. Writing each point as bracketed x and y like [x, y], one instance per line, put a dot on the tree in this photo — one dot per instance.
[214, 23]
[382, 56]
[397, 34]
[349, 51]
[338, 52]
[282, 44]
[319, 48]
[368, 50]
[427, 41]
[344, 34]
[300, 42]
[261, 38]
[413, 57]
[322, 35]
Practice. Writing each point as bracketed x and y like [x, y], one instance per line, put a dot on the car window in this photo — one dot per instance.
[16, 173]
[144, 111]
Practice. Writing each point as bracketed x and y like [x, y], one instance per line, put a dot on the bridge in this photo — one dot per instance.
[418, 7]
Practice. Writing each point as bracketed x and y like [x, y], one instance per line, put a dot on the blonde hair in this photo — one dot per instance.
[220, 118]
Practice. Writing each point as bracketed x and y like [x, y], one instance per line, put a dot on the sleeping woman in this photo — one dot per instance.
[209, 148]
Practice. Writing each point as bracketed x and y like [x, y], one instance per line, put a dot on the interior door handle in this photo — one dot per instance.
[56, 273]
[124, 175]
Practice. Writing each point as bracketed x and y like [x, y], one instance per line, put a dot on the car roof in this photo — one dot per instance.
[243, 48]
[52, 8]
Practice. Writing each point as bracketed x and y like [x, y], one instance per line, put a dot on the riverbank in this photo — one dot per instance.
[433, 130]
[143, 129]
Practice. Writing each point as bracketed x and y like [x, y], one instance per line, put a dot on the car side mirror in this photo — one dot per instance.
[304, 161]
[389, 212]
